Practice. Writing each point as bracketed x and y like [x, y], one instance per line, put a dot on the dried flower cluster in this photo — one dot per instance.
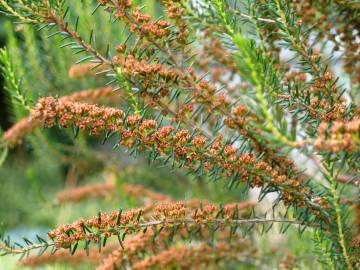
[17, 132]
[61, 256]
[342, 30]
[92, 118]
[168, 215]
[66, 235]
[341, 136]
[201, 256]
[187, 150]
[81, 70]
[132, 247]
[109, 188]
[90, 191]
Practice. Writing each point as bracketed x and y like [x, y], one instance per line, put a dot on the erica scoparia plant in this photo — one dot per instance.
[254, 95]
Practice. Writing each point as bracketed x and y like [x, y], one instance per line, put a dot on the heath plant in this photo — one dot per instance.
[252, 96]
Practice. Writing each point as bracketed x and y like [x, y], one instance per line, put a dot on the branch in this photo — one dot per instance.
[11, 250]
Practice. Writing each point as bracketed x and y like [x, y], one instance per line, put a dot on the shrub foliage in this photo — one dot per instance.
[251, 95]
